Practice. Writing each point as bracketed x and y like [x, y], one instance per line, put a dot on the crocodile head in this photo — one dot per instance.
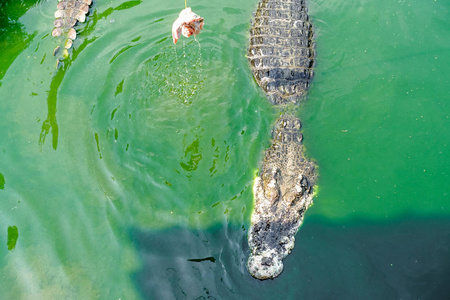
[282, 193]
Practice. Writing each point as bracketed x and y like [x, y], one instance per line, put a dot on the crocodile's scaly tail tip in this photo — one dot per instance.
[57, 31]
[65, 53]
[61, 56]
[68, 44]
[56, 50]
[72, 34]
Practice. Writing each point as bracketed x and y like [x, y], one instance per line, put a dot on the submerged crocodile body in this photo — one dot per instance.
[281, 57]
[67, 15]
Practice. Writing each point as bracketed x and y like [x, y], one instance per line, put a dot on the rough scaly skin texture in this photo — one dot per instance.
[67, 14]
[281, 50]
[283, 192]
[281, 58]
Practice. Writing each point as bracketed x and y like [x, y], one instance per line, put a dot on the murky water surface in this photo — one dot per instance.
[127, 173]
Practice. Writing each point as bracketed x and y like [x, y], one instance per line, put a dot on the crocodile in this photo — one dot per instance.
[67, 14]
[281, 56]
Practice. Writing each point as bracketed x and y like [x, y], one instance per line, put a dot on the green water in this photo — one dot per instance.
[127, 174]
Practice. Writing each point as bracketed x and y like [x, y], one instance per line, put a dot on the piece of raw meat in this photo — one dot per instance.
[187, 24]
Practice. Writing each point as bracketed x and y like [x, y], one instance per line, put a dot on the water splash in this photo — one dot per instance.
[176, 74]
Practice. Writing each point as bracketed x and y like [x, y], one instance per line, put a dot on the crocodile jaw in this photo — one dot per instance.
[276, 219]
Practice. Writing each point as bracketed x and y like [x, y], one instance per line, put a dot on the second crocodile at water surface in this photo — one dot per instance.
[281, 55]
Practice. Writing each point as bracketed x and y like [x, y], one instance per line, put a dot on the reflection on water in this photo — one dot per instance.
[190, 264]
[13, 39]
[13, 235]
[62, 67]
[2, 181]
[192, 154]
[50, 122]
[359, 260]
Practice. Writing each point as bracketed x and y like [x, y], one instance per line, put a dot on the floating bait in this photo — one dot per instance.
[187, 24]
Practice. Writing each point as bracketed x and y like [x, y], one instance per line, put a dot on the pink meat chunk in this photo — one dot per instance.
[187, 24]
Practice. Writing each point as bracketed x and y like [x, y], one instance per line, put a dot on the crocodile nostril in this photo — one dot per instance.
[267, 261]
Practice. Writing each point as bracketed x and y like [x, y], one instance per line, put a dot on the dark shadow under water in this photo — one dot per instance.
[407, 259]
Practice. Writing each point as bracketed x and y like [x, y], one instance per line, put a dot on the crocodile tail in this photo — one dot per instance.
[281, 50]
[68, 13]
